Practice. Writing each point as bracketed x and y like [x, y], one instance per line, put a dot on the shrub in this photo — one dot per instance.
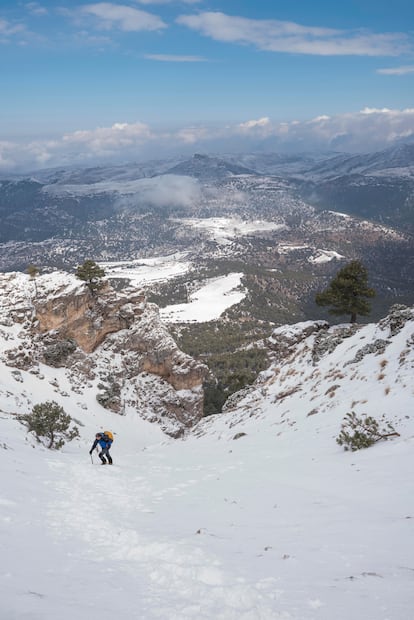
[363, 432]
[48, 421]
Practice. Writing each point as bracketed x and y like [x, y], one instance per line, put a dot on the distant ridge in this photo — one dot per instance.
[207, 167]
[400, 156]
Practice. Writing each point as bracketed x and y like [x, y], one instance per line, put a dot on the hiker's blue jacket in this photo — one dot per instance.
[104, 443]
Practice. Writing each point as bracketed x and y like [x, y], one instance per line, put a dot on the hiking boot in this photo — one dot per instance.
[103, 463]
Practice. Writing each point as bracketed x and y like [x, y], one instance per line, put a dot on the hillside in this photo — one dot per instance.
[255, 513]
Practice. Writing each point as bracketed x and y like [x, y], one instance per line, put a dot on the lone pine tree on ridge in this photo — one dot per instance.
[348, 292]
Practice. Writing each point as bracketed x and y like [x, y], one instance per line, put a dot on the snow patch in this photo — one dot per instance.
[209, 302]
[324, 256]
[223, 230]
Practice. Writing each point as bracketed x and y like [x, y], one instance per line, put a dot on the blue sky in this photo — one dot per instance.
[151, 76]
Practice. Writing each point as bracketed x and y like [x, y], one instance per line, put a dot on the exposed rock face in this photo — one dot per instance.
[159, 355]
[113, 343]
[88, 318]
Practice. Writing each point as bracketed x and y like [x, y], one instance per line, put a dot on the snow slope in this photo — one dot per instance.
[207, 303]
[275, 523]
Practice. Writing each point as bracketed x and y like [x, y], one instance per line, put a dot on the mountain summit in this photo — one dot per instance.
[207, 167]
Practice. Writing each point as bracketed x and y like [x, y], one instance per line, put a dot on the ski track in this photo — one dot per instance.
[105, 510]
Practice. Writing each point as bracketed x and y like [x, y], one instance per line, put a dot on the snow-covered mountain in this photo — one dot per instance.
[276, 221]
[378, 186]
[256, 513]
[396, 160]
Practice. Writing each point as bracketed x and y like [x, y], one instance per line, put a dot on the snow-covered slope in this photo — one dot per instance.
[256, 515]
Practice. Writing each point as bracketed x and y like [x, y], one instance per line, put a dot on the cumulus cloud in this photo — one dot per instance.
[261, 122]
[367, 130]
[105, 141]
[123, 17]
[397, 70]
[290, 37]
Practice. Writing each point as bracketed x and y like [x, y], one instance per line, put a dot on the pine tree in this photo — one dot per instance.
[363, 432]
[348, 292]
[91, 274]
[50, 422]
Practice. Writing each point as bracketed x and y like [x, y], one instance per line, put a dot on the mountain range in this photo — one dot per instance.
[306, 214]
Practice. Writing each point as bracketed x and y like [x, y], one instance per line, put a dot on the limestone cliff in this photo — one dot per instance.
[113, 343]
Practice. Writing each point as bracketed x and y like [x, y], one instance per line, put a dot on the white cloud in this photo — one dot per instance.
[165, 190]
[174, 58]
[367, 130]
[290, 37]
[404, 70]
[106, 140]
[375, 111]
[322, 117]
[261, 122]
[123, 17]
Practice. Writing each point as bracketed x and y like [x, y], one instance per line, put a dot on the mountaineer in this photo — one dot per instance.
[105, 440]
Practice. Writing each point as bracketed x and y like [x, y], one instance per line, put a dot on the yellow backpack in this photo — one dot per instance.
[109, 435]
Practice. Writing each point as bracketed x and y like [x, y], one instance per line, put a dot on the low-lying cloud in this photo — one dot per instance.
[367, 130]
[166, 191]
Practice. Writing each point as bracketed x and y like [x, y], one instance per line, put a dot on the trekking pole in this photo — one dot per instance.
[91, 459]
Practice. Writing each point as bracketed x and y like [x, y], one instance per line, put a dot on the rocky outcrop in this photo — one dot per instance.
[285, 339]
[396, 319]
[87, 318]
[326, 341]
[377, 347]
[113, 343]
[158, 353]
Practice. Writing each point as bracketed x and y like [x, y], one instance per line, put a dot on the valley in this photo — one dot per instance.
[276, 219]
